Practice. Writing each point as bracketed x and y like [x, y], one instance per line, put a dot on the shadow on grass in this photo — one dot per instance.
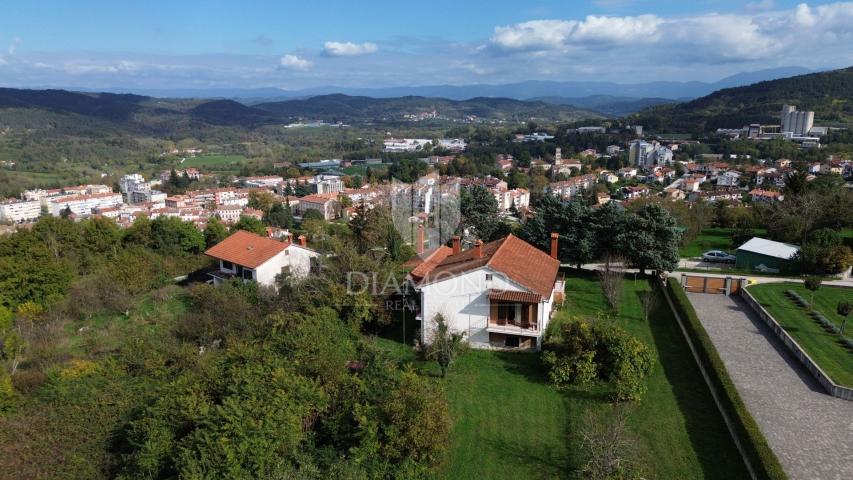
[708, 434]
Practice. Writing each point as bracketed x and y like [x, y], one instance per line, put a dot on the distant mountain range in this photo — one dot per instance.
[671, 90]
[829, 94]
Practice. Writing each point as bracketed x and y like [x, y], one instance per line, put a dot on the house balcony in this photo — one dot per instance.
[513, 313]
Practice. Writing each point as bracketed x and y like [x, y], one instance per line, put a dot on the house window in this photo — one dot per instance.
[227, 265]
[247, 274]
[287, 253]
[488, 277]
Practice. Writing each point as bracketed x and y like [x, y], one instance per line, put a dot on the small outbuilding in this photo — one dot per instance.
[765, 255]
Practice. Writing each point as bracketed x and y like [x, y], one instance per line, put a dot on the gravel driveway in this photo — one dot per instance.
[810, 431]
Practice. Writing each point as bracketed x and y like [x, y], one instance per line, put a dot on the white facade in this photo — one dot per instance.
[464, 302]
[82, 205]
[20, 211]
[641, 154]
[268, 182]
[728, 179]
[294, 259]
[406, 144]
[328, 184]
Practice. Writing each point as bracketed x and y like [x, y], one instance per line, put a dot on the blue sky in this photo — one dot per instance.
[160, 44]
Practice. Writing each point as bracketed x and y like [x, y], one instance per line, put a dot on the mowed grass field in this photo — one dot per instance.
[215, 162]
[824, 347]
[679, 431]
[709, 239]
[510, 423]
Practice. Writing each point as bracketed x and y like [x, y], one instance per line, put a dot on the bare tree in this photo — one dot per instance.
[649, 300]
[612, 276]
[608, 447]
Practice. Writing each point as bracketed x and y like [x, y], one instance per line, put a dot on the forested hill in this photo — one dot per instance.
[345, 108]
[828, 94]
[135, 113]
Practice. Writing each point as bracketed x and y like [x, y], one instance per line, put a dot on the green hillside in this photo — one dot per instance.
[828, 94]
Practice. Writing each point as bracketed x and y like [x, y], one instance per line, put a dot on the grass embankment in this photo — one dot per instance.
[761, 456]
[510, 423]
[823, 347]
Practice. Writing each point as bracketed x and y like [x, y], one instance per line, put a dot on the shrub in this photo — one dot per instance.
[580, 352]
[761, 457]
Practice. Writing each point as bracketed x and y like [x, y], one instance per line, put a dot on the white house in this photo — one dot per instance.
[500, 294]
[255, 258]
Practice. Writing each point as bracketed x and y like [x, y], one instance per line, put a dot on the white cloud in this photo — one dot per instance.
[543, 35]
[294, 62]
[348, 49]
[798, 35]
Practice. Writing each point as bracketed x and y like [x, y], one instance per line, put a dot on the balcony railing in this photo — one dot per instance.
[499, 326]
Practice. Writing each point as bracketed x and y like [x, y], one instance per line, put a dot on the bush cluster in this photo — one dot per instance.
[581, 351]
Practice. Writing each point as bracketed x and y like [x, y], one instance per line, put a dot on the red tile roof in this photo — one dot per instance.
[429, 262]
[520, 261]
[514, 296]
[246, 249]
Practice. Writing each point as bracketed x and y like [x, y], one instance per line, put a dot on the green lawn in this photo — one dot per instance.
[216, 162]
[824, 347]
[679, 430]
[510, 423]
[709, 239]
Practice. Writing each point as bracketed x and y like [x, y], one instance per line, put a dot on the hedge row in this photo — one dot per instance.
[825, 322]
[797, 298]
[755, 447]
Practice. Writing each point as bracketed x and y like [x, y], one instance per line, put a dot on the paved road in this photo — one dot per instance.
[810, 431]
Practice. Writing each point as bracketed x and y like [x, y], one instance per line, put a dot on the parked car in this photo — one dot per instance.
[718, 256]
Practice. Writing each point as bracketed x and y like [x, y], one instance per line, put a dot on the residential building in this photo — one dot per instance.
[608, 177]
[261, 259]
[729, 178]
[518, 197]
[325, 204]
[641, 153]
[328, 184]
[568, 188]
[760, 195]
[229, 213]
[82, 205]
[500, 294]
[19, 211]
